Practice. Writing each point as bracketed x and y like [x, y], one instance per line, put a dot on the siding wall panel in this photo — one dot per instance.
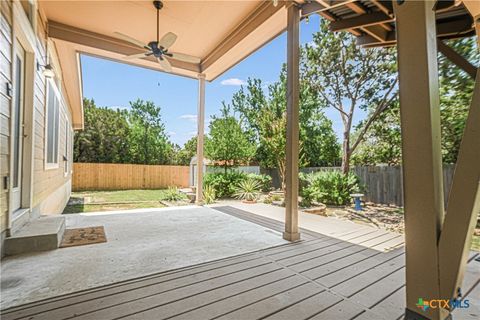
[5, 101]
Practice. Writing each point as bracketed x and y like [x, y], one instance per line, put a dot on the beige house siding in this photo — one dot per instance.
[5, 101]
[49, 187]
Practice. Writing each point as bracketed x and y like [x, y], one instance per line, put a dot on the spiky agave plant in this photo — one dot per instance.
[248, 190]
[209, 195]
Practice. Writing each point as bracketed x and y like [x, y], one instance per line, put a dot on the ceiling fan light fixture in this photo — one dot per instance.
[158, 48]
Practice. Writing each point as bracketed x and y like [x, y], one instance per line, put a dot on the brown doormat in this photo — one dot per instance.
[83, 236]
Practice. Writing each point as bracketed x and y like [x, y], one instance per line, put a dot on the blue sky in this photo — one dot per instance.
[114, 84]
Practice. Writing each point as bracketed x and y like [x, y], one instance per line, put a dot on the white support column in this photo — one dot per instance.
[421, 152]
[291, 166]
[200, 137]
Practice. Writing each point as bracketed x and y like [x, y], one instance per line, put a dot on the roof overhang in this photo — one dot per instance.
[220, 33]
[373, 21]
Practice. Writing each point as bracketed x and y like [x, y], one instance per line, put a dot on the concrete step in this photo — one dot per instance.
[190, 193]
[44, 233]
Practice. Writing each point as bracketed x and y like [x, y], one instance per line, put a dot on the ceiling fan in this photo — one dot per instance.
[159, 48]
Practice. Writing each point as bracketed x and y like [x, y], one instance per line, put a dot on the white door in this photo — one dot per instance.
[17, 126]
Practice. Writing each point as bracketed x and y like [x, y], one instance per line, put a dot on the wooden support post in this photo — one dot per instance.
[291, 166]
[200, 136]
[463, 204]
[421, 151]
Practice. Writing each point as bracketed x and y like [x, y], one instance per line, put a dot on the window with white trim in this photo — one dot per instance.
[52, 124]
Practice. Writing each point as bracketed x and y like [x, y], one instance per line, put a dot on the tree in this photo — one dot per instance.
[347, 78]
[383, 140]
[265, 115]
[148, 141]
[104, 137]
[456, 89]
[382, 143]
[318, 141]
[189, 150]
[227, 143]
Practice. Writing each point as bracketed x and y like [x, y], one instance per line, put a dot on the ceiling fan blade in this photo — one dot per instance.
[184, 57]
[131, 40]
[166, 66]
[167, 40]
[135, 56]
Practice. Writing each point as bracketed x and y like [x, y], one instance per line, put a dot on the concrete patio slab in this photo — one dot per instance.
[139, 242]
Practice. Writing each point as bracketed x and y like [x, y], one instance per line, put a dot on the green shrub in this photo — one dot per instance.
[172, 194]
[248, 189]
[225, 184]
[329, 187]
[209, 195]
[264, 180]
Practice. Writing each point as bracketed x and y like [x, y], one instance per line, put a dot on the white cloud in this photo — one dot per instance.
[232, 82]
[189, 117]
[118, 107]
[172, 133]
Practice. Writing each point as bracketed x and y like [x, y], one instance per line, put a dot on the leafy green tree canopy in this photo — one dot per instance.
[227, 143]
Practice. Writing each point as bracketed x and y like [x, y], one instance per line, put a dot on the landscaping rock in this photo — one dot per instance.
[321, 209]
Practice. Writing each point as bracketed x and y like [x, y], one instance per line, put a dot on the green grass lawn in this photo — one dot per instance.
[91, 201]
[121, 195]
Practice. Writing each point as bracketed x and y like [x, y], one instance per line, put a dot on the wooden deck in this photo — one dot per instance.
[320, 277]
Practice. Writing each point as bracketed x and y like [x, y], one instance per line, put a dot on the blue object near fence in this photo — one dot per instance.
[358, 203]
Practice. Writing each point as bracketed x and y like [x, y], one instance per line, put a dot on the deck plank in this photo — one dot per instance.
[376, 292]
[343, 262]
[216, 295]
[393, 306]
[307, 308]
[266, 307]
[239, 301]
[133, 302]
[353, 285]
[344, 310]
[343, 274]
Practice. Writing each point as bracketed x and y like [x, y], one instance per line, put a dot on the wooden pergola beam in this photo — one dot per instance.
[365, 20]
[320, 7]
[377, 32]
[367, 39]
[455, 27]
[457, 59]
[95, 40]
[384, 6]
[445, 30]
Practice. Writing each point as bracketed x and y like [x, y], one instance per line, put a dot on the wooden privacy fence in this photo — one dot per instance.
[383, 184]
[109, 176]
